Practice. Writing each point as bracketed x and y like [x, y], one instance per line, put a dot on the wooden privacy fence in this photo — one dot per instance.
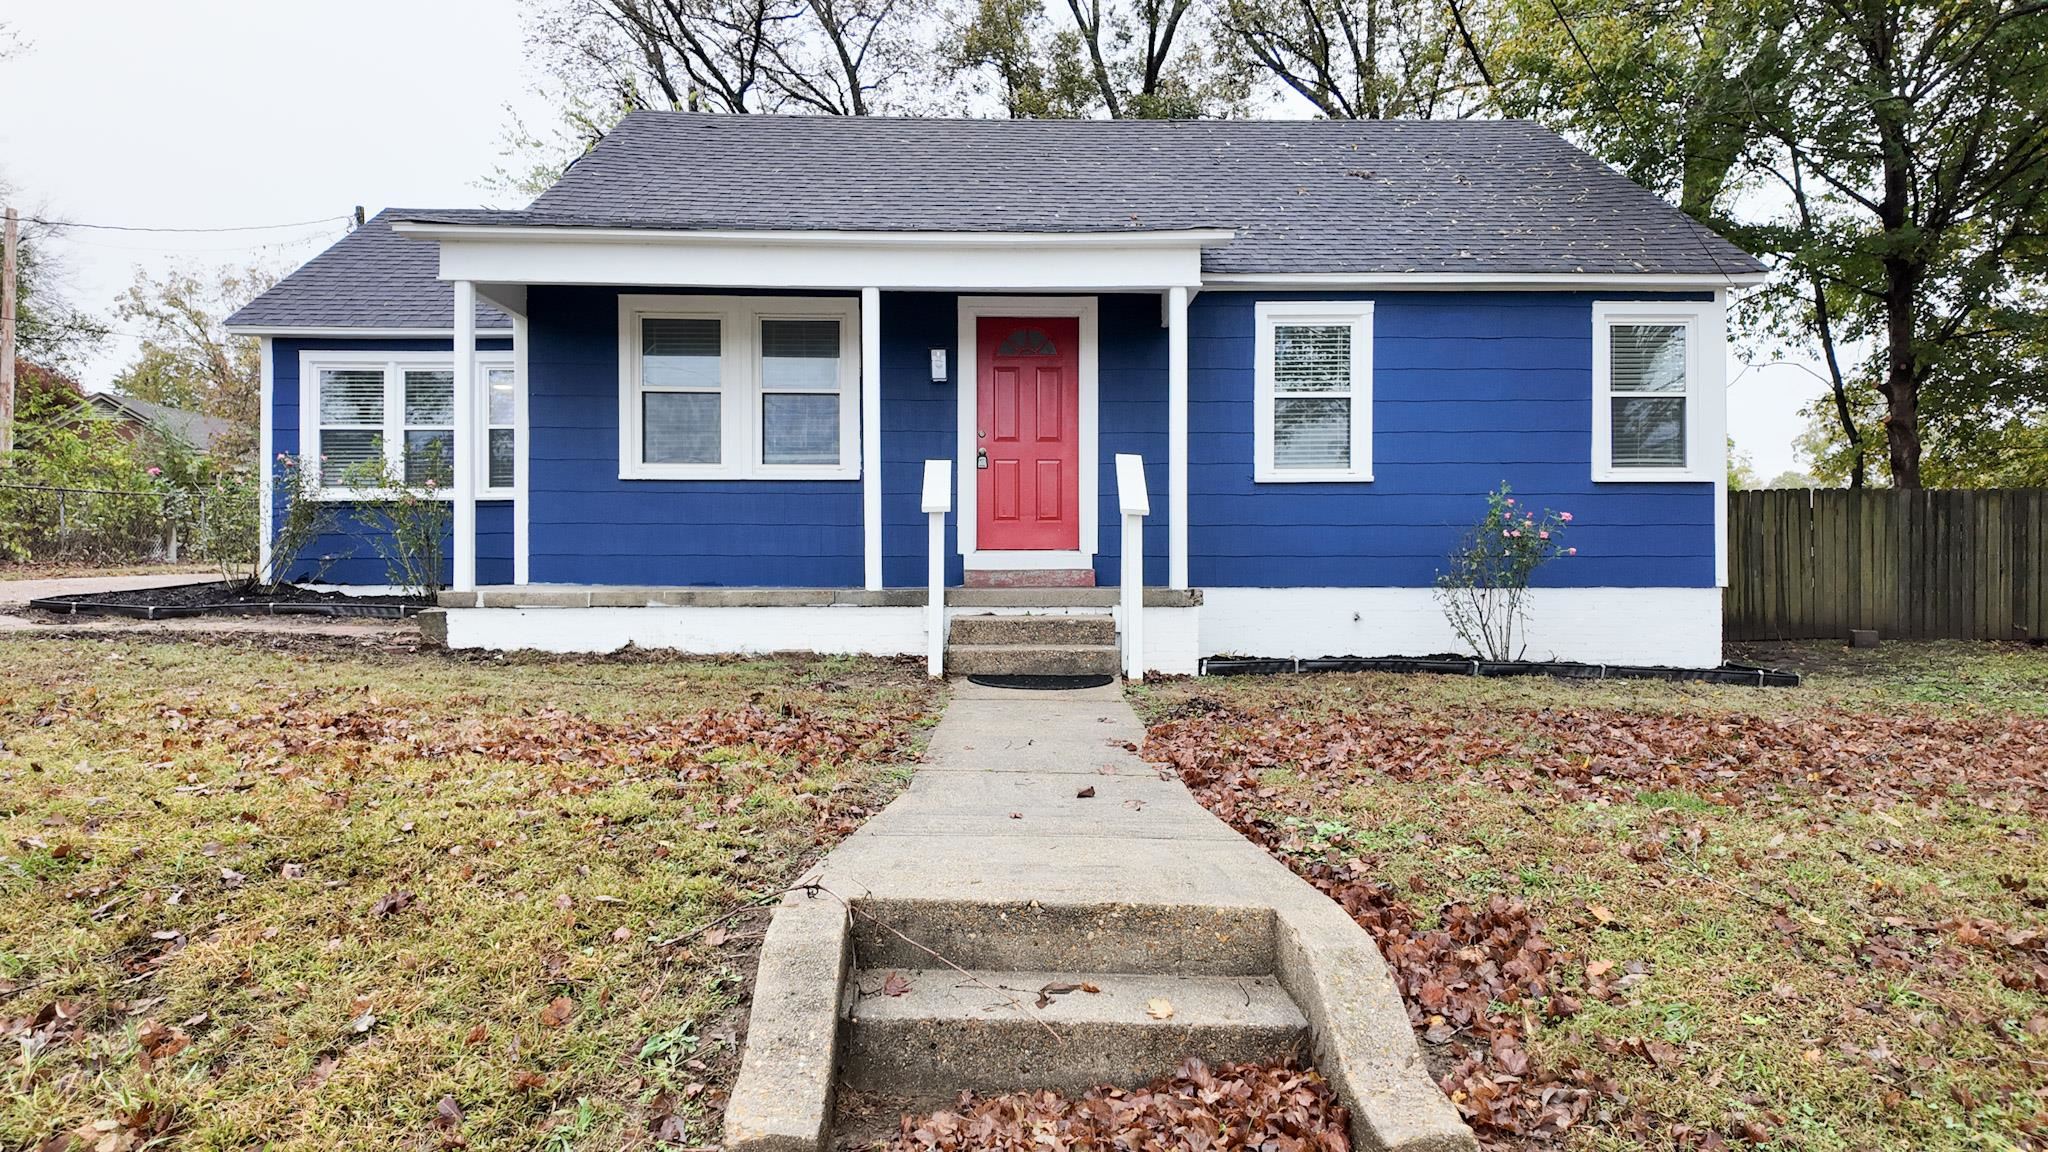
[1814, 563]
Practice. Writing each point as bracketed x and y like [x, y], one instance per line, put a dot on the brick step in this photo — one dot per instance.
[951, 1032]
[1032, 659]
[1095, 629]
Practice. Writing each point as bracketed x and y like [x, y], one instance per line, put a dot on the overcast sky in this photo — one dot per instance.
[223, 113]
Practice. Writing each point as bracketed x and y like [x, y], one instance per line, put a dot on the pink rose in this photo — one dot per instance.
[1565, 516]
[1571, 551]
[1543, 535]
[155, 471]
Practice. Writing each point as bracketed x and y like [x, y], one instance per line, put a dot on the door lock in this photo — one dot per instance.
[981, 458]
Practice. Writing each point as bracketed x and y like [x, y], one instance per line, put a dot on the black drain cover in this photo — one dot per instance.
[1042, 683]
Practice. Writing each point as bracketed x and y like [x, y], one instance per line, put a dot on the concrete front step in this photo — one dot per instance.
[1092, 629]
[1031, 578]
[1032, 659]
[983, 1030]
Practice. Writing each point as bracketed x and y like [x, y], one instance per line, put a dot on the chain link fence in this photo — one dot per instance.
[44, 523]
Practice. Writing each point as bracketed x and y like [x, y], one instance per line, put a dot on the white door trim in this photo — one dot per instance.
[967, 392]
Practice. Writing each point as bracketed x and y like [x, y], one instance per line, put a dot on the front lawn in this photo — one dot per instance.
[1634, 914]
[308, 894]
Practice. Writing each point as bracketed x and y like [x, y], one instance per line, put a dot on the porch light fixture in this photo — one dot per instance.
[938, 365]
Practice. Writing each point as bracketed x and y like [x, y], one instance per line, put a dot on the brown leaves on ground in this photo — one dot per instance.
[347, 722]
[1237, 1105]
[1997, 761]
[1468, 982]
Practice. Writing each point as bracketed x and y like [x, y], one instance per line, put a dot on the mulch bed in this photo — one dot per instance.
[224, 598]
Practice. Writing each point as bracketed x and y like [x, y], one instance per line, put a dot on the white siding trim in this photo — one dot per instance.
[1715, 336]
[1267, 315]
[870, 434]
[1465, 281]
[1706, 389]
[967, 396]
[1667, 626]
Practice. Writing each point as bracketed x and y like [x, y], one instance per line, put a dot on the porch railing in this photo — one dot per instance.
[938, 500]
[1136, 504]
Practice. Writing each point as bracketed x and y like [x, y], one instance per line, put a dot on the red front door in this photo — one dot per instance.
[1028, 482]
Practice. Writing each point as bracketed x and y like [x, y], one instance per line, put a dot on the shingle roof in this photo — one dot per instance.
[370, 278]
[1304, 196]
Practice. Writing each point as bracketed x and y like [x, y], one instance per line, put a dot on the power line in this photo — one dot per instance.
[143, 228]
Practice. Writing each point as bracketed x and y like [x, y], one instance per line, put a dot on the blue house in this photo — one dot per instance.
[756, 383]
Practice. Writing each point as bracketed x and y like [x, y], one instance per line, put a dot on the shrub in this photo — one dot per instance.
[299, 517]
[1484, 591]
[407, 521]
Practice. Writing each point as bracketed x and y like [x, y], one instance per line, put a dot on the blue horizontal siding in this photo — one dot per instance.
[1469, 390]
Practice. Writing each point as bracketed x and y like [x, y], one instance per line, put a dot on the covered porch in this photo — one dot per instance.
[918, 374]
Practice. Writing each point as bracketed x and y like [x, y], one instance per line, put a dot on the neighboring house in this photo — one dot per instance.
[136, 418]
[719, 352]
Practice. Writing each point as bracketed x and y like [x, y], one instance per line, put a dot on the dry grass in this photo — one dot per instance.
[1832, 969]
[434, 900]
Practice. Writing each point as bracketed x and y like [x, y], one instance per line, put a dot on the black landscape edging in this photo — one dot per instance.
[69, 607]
[1737, 674]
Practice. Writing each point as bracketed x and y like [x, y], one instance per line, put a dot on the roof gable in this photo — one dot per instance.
[1303, 196]
[373, 279]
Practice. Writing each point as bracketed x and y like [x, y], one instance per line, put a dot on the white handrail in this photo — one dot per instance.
[1135, 504]
[938, 500]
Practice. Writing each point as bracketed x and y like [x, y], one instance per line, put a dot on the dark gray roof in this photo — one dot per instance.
[193, 429]
[1304, 196]
[370, 278]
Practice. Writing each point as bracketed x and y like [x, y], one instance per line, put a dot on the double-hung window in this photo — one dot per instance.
[738, 387]
[1313, 418]
[372, 416]
[1649, 370]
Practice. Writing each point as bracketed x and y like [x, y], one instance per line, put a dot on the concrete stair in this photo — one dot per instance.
[1171, 981]
[983, 1030]
[1081, 644]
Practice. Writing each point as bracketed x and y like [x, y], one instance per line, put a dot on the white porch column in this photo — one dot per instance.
[522, 511]
[1177, 437]
[465, 436]
[871, 433]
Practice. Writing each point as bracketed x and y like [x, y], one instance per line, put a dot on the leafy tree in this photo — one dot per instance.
[49, 330]
[1741, 469]
[188, 360]
[1891, 155]
[1365, 59]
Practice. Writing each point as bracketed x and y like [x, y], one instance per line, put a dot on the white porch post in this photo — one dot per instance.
[522, 511]
[465, 436]
[1177, 437]
[871, 433]
[266, 458]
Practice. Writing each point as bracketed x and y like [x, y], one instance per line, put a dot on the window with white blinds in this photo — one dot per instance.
[1314, 385]
[737, 387]
[393, 414]
[1646, 391]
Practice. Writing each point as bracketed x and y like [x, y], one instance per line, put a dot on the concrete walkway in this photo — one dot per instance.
[995, 858]
[23, 591]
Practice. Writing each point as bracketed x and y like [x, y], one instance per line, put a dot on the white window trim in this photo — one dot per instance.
[394, 365]
[1268, 315]
[1705, 338]
[486, 362]
[739, 384]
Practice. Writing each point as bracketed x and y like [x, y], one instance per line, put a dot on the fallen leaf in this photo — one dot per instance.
[1159, 1008]
[1087, 793]
[895, 984]
[447, 1114]
[558, 1011]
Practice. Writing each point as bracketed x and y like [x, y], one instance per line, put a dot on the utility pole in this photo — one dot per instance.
[7, 333]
